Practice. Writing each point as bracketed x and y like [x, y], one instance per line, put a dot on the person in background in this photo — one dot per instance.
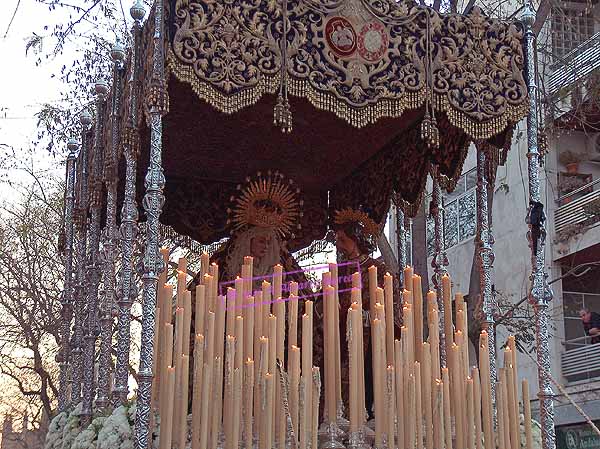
[591, 324]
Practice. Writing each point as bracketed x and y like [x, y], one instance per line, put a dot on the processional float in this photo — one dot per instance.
[368, 99]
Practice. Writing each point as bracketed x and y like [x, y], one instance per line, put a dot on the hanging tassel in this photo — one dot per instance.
[283, 114]
[429, 131]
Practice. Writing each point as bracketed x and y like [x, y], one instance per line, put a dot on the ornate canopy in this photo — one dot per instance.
[379, 93]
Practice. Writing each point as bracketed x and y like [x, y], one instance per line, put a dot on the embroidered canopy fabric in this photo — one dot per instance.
[361, 77]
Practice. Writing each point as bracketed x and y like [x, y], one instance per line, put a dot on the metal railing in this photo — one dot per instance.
[573, 212]
[583, 362]
[575, 65]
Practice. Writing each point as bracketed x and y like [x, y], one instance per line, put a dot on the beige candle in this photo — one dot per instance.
[307, 360]
[515, 439]
[411, 429]
[470, 415]
[248, 401]
[181, 284]
[431, 302]
[302, 414]
[500, 408]
[390, 406]
[217, 404]
[277, 281]
[200, 310]
[272, 321]
[293, 288]
[427, 395]
[239, 296]
[434, 340]
[168, 361]
[408, 275]
[362, 416]
[267, 441]
[378, 360]
[292, 321]
[330, 391]
[353, 350]
[389, 316]
[204, 263]
[260, 392]
[249, 329]
[179, 334]
[166, 433]
[316, 390]
[372, 288]
[237, 400]
[197, 390]
[210, 339]
[210, 300]
[356, 281]
[505, 408]
[183, 400]
[213, 270]
[512, 344]
[447, 399]
[177, 353]
[187, 321]
[220, 327]
[294, 393]
[527, 415]
[438, 415]
[266, 308]
[239, 343]
[218, 370]
[228, 393]
[458, 399]
[230, 316]
[409, 325]
[167, 303]
[447, 300]
[418, 316]
[477, 406]
[419, 404]
[486, 392]
[400, 389]
[206, 393]
[258, 332]
[333, 269]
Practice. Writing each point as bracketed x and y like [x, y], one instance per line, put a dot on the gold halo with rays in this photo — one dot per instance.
[267, 202]
[349, 215]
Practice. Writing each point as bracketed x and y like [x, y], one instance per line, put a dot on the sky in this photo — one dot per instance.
[23, 86]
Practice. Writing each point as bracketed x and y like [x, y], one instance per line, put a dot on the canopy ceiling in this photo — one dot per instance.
[361, 75]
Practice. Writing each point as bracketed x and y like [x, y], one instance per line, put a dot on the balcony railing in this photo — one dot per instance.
[573, 207]
[575, 65]
[581, 359]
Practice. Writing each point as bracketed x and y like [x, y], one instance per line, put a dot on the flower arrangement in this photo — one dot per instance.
[55, 431]
[117, 431]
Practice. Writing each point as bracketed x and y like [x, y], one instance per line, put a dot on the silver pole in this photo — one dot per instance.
[485, 261]
[540, 294]
[67, 297]
[93, 272]
[157, 101]
[129, 218]
[110, 238]
[401, 241]
[440, 260]
[81, 224]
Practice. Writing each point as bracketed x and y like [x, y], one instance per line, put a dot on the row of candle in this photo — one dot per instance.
[241, 336]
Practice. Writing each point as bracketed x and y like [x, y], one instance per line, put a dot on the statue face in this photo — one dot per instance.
[345, 244]
[259, 245]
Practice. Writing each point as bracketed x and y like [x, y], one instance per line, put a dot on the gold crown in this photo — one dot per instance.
[349, 215]
[267, 203]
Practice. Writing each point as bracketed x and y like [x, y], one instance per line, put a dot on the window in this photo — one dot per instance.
[460, 212]
[571, 26]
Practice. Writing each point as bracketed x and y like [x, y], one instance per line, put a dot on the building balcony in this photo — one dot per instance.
[577, 212]
[580, 359]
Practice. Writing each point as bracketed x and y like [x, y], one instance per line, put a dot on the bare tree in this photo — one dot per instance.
[31, 279]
